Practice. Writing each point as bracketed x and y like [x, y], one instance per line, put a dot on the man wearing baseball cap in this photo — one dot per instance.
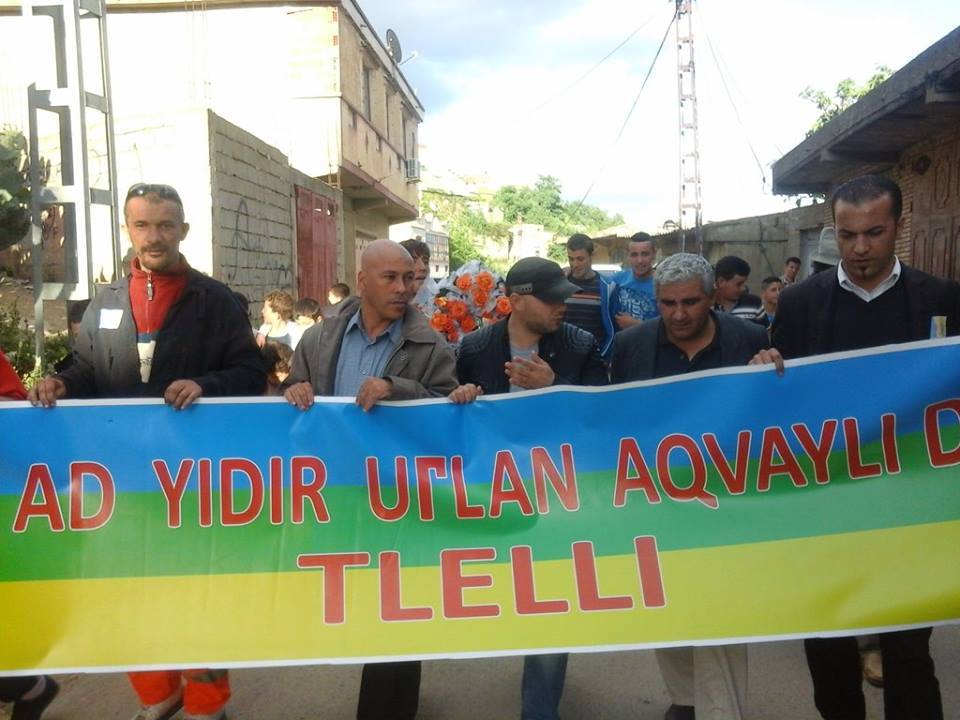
[532, 348]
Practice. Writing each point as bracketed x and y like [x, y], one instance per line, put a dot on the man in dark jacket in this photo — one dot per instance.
[379, 347]
[869, 299]
[708, 681]
[166, 331]
[532, 348]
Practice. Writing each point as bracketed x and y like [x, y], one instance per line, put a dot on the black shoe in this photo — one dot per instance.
[32, 709]
[680, 712]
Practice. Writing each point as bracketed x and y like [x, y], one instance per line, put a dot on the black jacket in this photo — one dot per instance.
[206, 337]
[571, 353]
[635, 349]
[804, 323]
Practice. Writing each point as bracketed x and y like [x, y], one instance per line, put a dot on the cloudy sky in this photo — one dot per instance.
[501, 82]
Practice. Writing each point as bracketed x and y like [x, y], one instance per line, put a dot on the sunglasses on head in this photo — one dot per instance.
[165, 192]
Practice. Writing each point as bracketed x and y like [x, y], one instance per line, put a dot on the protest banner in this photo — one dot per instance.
[709, 508]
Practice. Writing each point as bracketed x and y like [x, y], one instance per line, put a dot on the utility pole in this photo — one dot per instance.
[690, 215]
[71, 101]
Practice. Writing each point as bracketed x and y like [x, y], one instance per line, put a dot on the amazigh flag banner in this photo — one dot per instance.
[724, 506]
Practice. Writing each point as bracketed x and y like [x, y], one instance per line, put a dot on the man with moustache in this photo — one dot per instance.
[707, 683]
[379, 347]
[165, 331]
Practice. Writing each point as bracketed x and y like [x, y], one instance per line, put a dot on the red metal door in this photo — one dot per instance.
[316, 244]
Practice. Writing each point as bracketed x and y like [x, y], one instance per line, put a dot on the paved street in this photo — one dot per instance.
[608, 686]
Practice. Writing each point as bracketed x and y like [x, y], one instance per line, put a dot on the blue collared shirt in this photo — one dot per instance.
[362, 358]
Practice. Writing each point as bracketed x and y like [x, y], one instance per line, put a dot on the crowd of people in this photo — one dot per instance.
[168, 331]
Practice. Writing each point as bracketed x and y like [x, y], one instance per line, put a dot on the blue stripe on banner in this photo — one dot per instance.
[862, 385]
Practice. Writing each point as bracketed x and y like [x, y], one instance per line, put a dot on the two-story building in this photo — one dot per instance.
[211, 96]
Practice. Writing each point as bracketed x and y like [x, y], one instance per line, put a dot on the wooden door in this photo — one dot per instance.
[316, 244]
[936, 214]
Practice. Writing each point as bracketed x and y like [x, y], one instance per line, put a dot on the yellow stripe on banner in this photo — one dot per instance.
[878, 578]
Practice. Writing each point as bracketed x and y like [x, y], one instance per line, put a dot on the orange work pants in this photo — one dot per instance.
[205, 692]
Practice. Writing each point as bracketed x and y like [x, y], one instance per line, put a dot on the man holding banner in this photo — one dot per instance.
[533, 348]
[707, 682]
[377, 348]
[164, 330]
[870, 299]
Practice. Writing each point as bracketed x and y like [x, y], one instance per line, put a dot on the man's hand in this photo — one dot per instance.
[769, 357]
[181, 393]
[373, 391]
[466, 394]
[530, 374]
[300, 395]
[46, 392]
[624, 321]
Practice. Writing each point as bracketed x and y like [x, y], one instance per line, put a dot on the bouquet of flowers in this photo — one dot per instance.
[464, 301]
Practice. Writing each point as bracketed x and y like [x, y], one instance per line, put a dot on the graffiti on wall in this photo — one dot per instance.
[261, 265]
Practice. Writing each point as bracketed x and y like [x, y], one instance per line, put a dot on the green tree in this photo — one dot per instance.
[558, 253]
[543, 204]
[14, 188]
[846, 94]
[468, 228]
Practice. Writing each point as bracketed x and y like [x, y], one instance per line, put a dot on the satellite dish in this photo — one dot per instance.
[393, 46]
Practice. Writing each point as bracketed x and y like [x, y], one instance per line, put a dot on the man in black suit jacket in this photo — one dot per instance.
[869, 299]
[689, 336]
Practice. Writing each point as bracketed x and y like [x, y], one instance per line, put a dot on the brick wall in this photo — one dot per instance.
[253, 221]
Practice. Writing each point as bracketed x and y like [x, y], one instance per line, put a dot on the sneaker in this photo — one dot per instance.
[32, 709]
[680, 712]
[161, 711]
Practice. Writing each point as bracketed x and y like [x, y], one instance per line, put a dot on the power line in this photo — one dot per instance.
[602, 60]
[626, 120]
[736, 112]
[723, 66]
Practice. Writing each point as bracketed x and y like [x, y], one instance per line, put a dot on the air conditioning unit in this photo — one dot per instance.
[413, 169]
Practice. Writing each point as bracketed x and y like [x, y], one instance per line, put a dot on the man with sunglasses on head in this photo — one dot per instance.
[166, 331]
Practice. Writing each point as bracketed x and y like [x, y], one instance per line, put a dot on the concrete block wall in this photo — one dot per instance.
[254, 230]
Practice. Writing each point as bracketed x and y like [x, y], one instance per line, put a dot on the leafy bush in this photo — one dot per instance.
[17, 342]
[14, 188]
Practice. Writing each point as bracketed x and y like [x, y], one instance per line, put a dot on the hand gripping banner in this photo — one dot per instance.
[711, 508]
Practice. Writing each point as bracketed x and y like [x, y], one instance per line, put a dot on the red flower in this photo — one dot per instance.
[468, 324]
[485, 281]
[438, 321]
[458, 309]
[503, 305]
[481, 298]
[464, 282]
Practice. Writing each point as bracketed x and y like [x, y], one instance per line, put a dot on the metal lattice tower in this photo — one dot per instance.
[70, 102]
[690, 216]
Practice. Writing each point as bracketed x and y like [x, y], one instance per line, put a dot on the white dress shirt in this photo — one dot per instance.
[867, 295]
